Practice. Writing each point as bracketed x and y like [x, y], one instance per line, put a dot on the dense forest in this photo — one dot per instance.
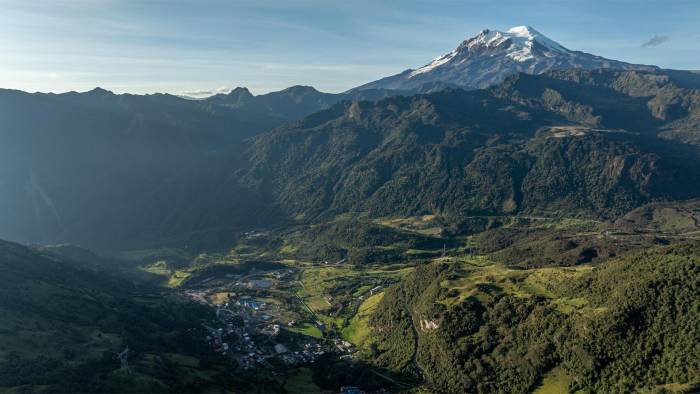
[63, 324]
[634, 328]
[593, 143]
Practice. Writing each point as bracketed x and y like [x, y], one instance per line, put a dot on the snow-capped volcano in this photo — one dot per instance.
[491, 56]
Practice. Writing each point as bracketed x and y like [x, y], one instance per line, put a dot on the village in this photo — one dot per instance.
[255, 329]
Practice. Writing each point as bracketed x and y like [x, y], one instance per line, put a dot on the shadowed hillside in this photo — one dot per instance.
[63, 323]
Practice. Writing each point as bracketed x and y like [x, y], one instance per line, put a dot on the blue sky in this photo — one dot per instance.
[193, 46]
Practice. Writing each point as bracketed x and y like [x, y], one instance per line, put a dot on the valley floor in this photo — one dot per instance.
[370, 303]
[292, 312]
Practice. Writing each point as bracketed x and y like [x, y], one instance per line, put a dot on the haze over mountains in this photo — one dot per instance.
[147, 170]
[133, 166]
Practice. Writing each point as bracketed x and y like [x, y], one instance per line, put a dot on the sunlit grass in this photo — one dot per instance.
[482, 279]
[555, 381]
[306, 329]
[423, 225]
[358, 330]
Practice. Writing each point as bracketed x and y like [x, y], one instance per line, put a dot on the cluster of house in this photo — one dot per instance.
[252, 304]
[248, 336]
[309, 354]
[282, 274]
[311, 351]
[345, 348]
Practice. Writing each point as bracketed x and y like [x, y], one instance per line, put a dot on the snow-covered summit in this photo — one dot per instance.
[491, 56]
[529, 34]
[518, 43]
[517, 38]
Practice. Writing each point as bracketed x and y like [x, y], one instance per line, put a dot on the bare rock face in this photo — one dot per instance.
[428, 325]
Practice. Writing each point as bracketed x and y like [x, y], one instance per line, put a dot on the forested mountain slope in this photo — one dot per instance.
[106, 170]
[121, 171]
[628, 324]
[597, 143]
[125, 171]
[63, 323]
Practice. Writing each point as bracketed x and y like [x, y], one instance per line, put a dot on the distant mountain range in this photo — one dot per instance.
[125, 171]
[294, 102]
[478, 62]
[101, 169]
[105, 169]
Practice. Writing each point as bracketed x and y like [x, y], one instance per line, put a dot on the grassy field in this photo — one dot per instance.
[171, 277]
[481, 278]
[555, 381]
[318, 303]
[178, 277]
[358, 329]
[424, 225]
[306, 329]
[319, 280]
[325, 287]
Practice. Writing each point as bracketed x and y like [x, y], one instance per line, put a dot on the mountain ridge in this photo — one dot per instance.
[460, 153]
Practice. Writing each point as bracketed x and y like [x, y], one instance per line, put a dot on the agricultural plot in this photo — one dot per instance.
[556, 381]
[357, 330]
[335, 292]
[424, 225]
[481, 278]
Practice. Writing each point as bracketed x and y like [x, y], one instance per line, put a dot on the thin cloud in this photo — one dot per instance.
[206, 93]
[655, 41]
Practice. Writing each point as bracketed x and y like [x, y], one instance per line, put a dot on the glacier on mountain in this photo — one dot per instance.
[491, 56]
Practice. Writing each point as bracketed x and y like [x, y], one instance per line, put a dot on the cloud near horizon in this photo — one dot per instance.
[206, 93]
[655, 41]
